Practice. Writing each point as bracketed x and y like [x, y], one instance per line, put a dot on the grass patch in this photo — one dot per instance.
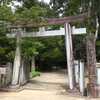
[35, 73]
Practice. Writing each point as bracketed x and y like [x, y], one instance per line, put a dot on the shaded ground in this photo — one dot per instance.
[51, 81]
[49, 86]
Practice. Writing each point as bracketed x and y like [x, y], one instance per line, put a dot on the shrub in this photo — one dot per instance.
[35, 73]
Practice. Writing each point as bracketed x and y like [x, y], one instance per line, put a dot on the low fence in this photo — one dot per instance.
[5, 75]
[6, 72]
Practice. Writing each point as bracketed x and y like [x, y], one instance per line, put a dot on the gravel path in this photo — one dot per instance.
[47, 86]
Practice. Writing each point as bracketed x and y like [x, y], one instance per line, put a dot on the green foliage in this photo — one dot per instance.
[98, 43]
[98, 50]
[5, 2]
[6, 45]
[79, 46]
[29, 3]
[6, 14]
[35, 73]
[58, 6]
[53, 52]
[72, 7]
[33, 11]
[29, 47]
[29, 14]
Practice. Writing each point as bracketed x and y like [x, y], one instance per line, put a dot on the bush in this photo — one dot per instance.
[35, 73]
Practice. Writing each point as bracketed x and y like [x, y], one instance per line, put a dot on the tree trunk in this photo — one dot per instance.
[91, 63]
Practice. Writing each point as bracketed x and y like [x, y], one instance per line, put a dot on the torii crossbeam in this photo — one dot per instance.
[49, 21]
[76, 31]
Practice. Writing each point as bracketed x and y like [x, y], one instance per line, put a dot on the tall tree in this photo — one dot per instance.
[6, 45]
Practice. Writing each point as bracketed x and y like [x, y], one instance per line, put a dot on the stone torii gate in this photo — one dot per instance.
[67, 31]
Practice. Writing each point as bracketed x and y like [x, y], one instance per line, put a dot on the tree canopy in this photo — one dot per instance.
[34, 11]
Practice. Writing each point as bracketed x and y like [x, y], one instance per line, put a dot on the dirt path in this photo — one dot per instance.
[48, 86]
[50, 81]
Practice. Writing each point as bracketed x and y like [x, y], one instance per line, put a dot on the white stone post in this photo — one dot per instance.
[68, 45]
[81, 81]
[76, 65]
[9, 72]
[41, 29]
[33, 63]
[22, 78]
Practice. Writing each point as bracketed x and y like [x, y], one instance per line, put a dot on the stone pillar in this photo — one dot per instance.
[22, 78]
[9, 72]
[69, 54]
[81, 79]
[41, 29]
[17, 61]
[33, 63]
[76, 65]
[32, 66]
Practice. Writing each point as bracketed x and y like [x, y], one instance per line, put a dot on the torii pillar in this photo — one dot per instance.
[69, 54]
[17, 62]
